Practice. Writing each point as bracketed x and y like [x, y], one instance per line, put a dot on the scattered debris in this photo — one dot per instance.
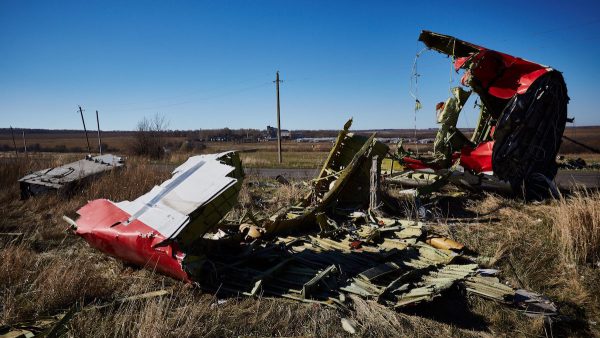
[575, 163]
[329, 246]
[65, 177]
[282, 180]
[444, 243]
[46, 326]
[349, 325]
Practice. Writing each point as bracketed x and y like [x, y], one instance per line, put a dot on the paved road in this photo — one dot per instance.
[566, 179]
[289, 173]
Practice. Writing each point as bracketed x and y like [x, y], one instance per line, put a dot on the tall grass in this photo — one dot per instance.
[34, 284]
[290, 159]
[48, 271]
[13, 168]
[576, 224]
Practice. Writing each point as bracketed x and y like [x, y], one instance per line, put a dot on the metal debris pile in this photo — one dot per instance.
[338, 241]
[575, 164]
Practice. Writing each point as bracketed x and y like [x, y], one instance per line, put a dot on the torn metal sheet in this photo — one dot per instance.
[45, 326]
[64, 177]
[396, 267]
[153, 230]
[522, 119]
[530, 303]
[343, 181]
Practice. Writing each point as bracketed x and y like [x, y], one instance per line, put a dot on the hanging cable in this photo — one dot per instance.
[452, 58]
[414, 92]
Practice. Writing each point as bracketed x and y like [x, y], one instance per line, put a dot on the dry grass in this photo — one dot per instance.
[35, 284]
[286, 195]
[47, 271]
[576, 224]
[523, 241]
[264, 197]
[296, 159]
[116, 141]
[188, 313]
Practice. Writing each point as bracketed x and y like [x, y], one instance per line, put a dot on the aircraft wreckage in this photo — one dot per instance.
[523, 113]
[63, 178]
[344, 238]
[327, 247]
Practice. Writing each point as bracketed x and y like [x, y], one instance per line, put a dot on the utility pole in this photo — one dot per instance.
[14, 142]
[24, 143]
[374, 186]
[85, 130]
[278, 119]
[99, 136]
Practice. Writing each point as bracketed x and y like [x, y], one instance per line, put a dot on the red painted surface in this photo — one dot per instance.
[478, 159]
[100, 225]
[502, 75]
[414, 164]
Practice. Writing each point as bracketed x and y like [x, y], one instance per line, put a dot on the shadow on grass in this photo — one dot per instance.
[450, 308]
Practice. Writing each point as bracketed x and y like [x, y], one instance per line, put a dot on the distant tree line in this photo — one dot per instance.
[59, 148]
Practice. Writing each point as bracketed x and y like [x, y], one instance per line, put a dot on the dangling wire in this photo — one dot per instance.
[452, 59]
[414, 92]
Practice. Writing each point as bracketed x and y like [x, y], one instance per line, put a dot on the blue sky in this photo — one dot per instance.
[211, 64]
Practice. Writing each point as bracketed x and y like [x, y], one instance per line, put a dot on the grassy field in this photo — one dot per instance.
[74, 141]
[553, 248]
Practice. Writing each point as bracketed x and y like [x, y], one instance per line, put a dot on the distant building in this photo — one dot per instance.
[272, 133]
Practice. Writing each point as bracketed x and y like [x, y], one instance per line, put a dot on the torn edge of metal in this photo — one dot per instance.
[154, 230]
[344, 178]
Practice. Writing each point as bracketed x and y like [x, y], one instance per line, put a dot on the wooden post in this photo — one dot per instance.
[24, 144]
[374, 186]
[278, 120]
[14, 142]
[99, 136]
[85, 130]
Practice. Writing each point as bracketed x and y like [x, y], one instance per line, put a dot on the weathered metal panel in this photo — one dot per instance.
[64, 176]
